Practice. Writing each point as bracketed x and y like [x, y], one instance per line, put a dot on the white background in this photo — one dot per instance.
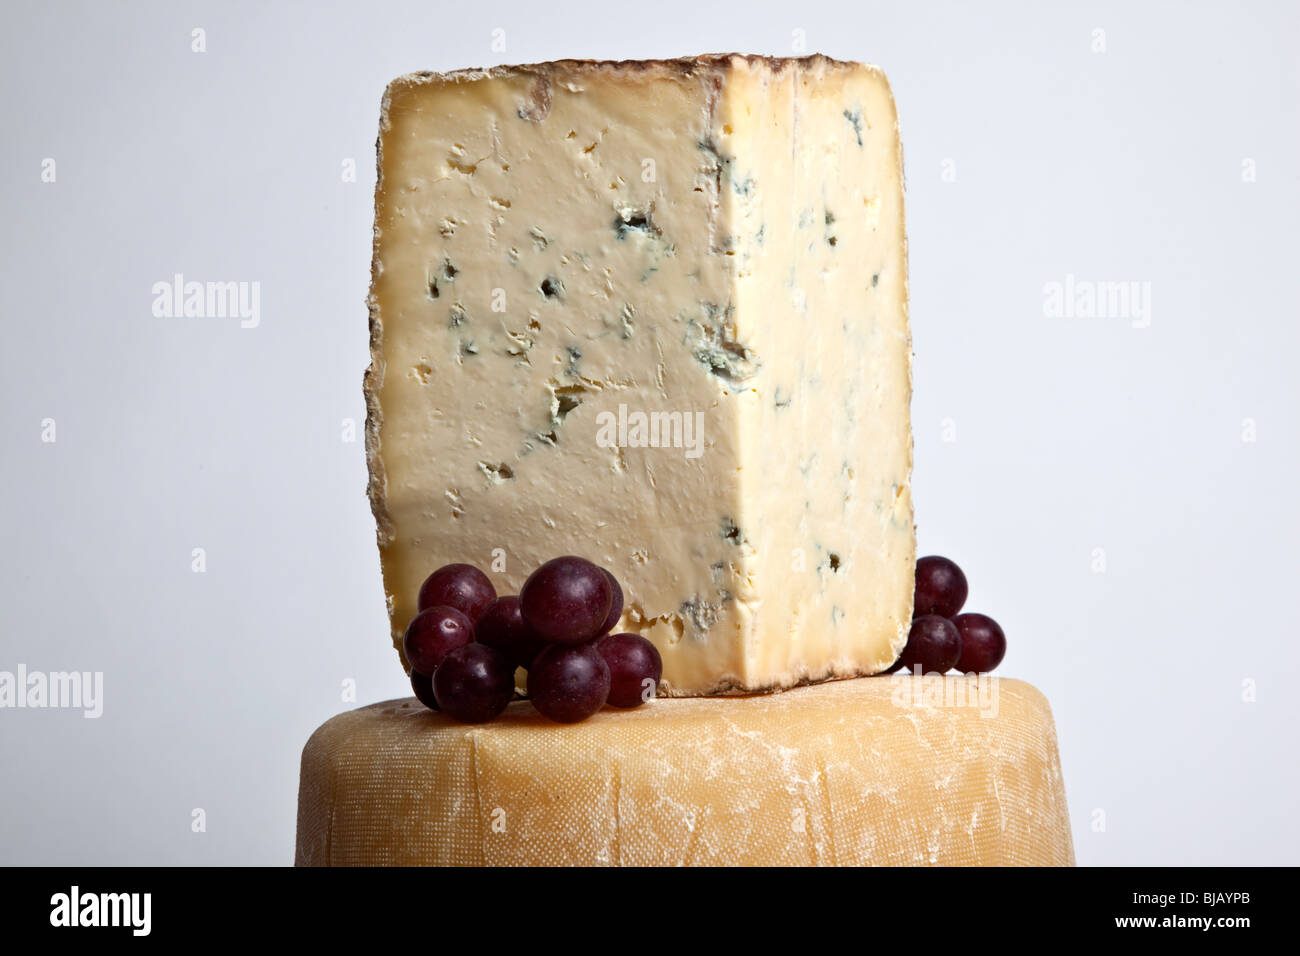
[1071, 434]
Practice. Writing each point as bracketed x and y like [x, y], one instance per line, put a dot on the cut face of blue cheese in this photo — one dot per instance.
[655, 314]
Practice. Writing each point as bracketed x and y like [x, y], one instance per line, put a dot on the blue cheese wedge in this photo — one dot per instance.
[654, 314]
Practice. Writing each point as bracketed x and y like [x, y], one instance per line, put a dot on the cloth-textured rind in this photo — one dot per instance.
[852, 773]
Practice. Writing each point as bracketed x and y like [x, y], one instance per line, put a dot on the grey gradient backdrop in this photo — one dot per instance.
[1071, 434]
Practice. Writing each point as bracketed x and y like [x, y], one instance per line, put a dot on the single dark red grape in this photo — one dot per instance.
[940, 587]
[432, 634]
[568, 683]
[461, 586]
[634, 668]
[423, 687]
[566, 600]
[934, 643]
[503, 626]
[615, 604]
[474, 683]
[983, 645]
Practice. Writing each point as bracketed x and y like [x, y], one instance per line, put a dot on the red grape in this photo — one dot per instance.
[566, 600]
[983, 645]
[503, 626]
[474, 683]
[422, 685]
[569, 683]
[461, 586]
[934, 643]
[632, 661]
[940, 587]
[432, 634]
[615, 604]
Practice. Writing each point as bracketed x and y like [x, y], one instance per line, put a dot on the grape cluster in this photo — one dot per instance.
[465, 644]
[941, 638]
